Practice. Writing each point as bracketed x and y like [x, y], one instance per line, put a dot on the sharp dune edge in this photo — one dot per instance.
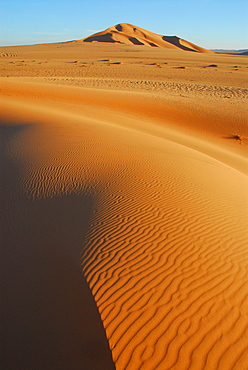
[125, 211]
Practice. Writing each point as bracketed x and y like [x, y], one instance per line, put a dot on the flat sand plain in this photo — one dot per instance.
[124, 202]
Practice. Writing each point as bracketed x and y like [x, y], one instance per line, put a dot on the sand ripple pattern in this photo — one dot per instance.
[165, 254]
[159, 86]
[166, 260]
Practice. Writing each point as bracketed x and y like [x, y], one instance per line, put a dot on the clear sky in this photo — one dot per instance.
[208, 23]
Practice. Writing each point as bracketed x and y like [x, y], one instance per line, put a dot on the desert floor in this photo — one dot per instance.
[124, 204]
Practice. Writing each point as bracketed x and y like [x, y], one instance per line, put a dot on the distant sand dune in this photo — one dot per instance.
[129, 34]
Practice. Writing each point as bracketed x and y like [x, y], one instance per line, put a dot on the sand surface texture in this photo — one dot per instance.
[124, 202]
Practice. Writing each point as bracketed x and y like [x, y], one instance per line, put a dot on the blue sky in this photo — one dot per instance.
[208, 23]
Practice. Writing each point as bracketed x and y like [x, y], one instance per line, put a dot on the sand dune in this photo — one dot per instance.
[125, 33]
[125, 209]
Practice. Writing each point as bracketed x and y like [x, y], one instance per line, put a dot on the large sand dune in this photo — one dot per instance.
[125, 33]
[124, 196]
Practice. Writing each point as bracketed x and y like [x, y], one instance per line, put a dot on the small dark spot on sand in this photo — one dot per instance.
[235, 137]
[210, 65]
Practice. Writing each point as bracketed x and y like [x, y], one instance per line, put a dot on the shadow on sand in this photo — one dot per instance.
[234, 137]
[49, 319]
[135, 41]
[174, 40]
[102, 38]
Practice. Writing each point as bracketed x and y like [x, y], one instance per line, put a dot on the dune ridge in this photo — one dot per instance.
[152, 109]
[166, 261]
[125, 33]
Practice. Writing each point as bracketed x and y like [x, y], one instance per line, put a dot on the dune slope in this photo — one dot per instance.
[160, 229]
[125, 33]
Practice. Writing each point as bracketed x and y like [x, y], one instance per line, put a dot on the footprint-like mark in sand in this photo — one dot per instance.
[7, 55]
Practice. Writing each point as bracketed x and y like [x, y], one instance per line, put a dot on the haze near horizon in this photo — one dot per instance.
[211, 24]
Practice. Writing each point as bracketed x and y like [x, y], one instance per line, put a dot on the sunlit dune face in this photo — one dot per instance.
[129, 34]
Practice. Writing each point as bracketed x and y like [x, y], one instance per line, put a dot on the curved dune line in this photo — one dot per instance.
[126, 231]
[117, 302]
[145, 106]
[165, 254]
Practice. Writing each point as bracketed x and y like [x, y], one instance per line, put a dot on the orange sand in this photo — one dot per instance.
[133, 174]
[128, 34]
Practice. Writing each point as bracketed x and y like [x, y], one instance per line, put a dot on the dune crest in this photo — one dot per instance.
[125, 33]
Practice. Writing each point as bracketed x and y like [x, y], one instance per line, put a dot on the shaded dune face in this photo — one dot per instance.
[102, 38]
[48, 315]
[128, 34]
[174, 40]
